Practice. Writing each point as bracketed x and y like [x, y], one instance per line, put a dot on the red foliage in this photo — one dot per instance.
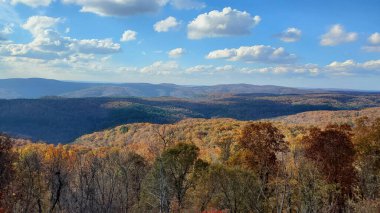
[333, 152]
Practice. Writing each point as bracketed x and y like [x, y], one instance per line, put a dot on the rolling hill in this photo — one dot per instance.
[323, 118]
[37, 88]
[208, 133]
[61, 120]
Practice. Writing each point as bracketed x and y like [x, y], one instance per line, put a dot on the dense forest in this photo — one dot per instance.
[198, 165]
[62, 120]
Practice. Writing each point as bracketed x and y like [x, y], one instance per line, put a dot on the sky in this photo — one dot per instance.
[297, 43]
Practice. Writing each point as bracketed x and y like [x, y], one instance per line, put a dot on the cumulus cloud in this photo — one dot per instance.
[118, 7]
[38, 24]
[33, 3]
[290, 35]
[187, 4]
[374, 43]
[161, 68]
[374, 38]
[352, 67]
[176, 53]
[166, 24]
[228, 22]
[257, 53]
[49, 44]
[129, 35]
[337, 35]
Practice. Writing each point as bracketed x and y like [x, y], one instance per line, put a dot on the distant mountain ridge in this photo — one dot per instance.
[61, 120]
[324, 117]
[31, 88]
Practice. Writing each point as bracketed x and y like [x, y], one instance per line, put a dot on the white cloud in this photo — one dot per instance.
[225, 68]
[38, 24]
[176, 53]
[257, 53]
[199, 68]
[49, 44]
[5, 31]
[342, 65]
[306, 69]
[33, 3]
[95, 46]
[337, 35]
[372, 65]
[128, 35]
[127, 69]
[166, 24]
[75, 67]
[290, 35]
[161, 68]
[374, 39]
[351, 67]
[119, 7]
[187, 4]
[374, 43]
[345, 68]
[229, 22]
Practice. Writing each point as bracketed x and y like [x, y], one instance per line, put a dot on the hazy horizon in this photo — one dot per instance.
[199, 85]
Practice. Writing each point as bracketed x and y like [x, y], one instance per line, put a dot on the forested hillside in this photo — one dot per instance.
[64, 119]
[323, 118]
[198, 165]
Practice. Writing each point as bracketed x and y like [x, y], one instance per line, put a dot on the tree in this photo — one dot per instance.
[227, 188]
[367, 145]
[31, 186]
[6, 167]
[181, 167]
[133, 169]
[261, 142]
[333, 153]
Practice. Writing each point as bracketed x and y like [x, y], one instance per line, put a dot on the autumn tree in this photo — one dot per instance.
[181, 166]
[230, 188]
[261, 142]
[30, 188]
[333, 153]
[367, 145]
[132, 171]
[6, 167]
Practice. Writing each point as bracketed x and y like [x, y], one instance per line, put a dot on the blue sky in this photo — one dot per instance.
[299, 43]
